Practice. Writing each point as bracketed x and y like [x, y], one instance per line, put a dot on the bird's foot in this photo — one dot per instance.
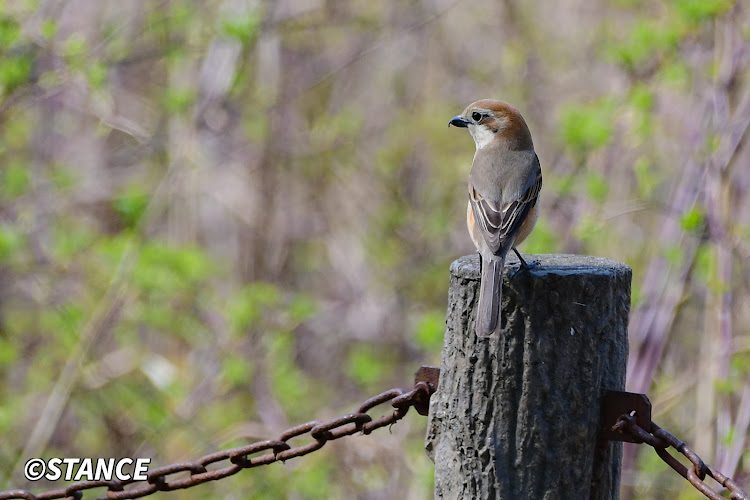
[525, 266]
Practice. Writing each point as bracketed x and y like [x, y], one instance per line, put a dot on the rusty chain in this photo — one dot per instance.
[240, 457]
[634, 425]
[630, 412]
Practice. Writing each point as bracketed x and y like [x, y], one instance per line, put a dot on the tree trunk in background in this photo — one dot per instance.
[517, 416]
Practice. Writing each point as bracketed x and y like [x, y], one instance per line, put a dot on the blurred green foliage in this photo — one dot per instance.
[130, 205]
[693, 220]
[242, 216]
[243, 28]
[430, 329]
[587, 127]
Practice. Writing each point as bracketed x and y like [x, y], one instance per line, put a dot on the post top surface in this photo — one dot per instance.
[561, 264]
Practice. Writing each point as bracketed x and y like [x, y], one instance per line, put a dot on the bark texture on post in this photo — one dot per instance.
[516, 417]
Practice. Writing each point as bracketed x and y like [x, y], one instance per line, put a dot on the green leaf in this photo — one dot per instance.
[8, 351]
[178, 100]
[586, 127]
[130, 205]
[49, 29]
[693, 220]
[10, 32]
[96, 75]
[430, 330]
[726, 386]
[364, 365]
[166, 269]
[597, 187]
[641, 98]
[11, 241]
[15, 180]
[740, 363]
[697, 11]
[236, 370]
[14, 72]
[74, 46]
[249, 304]
[242, 27]
[302, 307]
[542, 239]
[675, 73]
[646, 39]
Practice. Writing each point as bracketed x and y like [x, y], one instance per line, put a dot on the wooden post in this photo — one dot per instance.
[516, 417]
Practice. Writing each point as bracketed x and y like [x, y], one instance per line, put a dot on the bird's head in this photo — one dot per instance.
[491, 121]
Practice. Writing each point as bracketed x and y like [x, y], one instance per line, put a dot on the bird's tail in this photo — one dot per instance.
[490, 297]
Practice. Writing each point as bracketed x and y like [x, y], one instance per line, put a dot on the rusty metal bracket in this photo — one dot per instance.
[618, 403]
[626, 416]
[431, 376]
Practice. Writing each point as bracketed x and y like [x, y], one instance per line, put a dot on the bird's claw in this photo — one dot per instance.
[528, 265]
[524, 266]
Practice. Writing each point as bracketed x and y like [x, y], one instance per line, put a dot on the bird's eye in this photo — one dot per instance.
[476, 116]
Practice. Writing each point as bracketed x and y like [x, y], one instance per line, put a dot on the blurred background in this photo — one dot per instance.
[219, 219]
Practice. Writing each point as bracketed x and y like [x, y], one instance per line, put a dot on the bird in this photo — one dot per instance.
[504, 186]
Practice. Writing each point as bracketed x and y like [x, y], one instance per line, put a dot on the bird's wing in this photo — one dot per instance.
[499, 222]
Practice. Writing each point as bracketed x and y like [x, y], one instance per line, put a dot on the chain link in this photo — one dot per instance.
[635, 426]
[248, 456]
[660, 440]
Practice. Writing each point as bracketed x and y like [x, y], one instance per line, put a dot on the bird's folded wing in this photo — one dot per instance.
[500, 223]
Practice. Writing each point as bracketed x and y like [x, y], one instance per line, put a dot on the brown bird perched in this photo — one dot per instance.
[504, 187]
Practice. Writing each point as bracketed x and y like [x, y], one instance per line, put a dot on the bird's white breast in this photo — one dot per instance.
[481, 134]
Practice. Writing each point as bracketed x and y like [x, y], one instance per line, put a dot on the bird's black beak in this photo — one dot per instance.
[459, 121]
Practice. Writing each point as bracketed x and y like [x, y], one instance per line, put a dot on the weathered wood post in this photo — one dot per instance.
[516, 417]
